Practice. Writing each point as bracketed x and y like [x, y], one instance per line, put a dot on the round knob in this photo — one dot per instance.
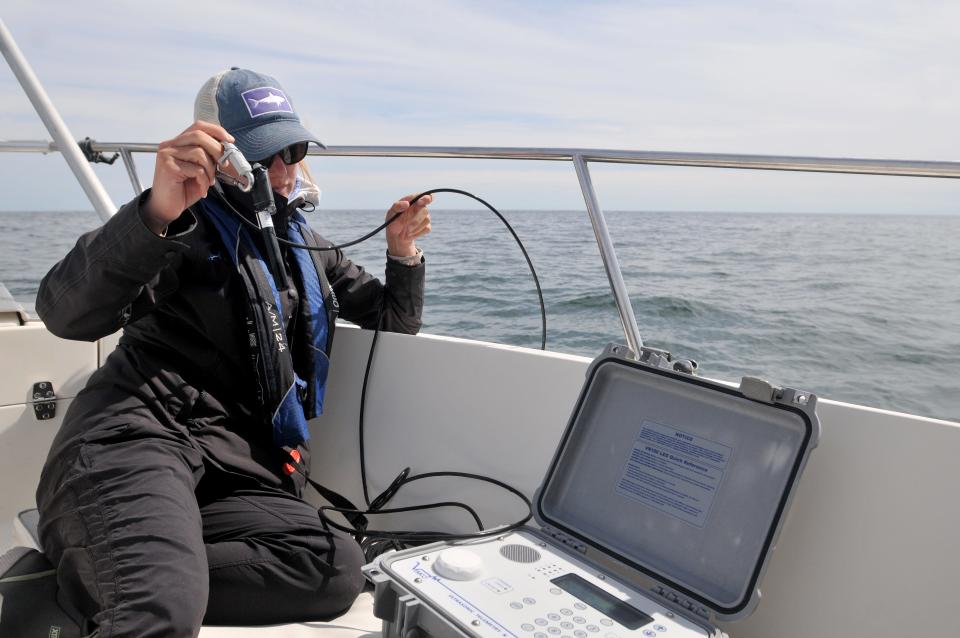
[457, 563]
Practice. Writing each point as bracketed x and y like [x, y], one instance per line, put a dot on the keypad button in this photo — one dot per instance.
[659, 627]
[526, 626]
[579, 605]
[606, 622]
[553, 631]
[579, 620]
[566, 612]
[566, 625]
[592, 628]
[555, 591]
[580, 633]
[649, 634]
[516, 605]
[530, 601]
[553, 616]
[539, 634]
[541, 621]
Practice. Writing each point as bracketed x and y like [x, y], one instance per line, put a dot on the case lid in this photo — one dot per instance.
[684, 479]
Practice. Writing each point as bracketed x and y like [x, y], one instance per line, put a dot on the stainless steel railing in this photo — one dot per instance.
[580, 159]
[850, 165]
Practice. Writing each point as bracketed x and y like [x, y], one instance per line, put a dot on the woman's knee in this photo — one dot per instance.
[349, 573]
[285, 579]
[334, 578]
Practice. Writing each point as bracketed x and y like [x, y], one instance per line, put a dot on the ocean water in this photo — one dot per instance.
[856, 308]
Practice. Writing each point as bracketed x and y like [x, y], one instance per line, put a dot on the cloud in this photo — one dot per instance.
[815, 78]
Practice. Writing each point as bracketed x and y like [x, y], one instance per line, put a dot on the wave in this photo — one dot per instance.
[586, 302]
[672, 306]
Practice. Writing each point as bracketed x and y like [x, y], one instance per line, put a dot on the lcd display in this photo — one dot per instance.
[614, 608]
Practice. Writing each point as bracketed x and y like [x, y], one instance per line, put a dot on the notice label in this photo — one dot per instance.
[674, 472]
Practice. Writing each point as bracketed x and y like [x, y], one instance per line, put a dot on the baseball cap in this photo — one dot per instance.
[253, 108]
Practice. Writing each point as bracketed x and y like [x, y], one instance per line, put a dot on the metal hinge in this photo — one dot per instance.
[663, 359]
[653, 357]
[564, 539]
[44, 400]
[680, 602]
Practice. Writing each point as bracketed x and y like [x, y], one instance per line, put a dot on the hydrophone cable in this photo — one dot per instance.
[526, 256]
[374, 542]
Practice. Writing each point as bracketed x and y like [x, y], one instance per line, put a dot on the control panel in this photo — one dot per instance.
[518, 586]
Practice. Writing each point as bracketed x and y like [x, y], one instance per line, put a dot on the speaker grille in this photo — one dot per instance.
[520, 553]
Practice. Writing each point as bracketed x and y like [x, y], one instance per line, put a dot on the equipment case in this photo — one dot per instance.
[657, 516]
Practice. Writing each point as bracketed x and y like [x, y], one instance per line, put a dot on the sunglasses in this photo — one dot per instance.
[289, 155]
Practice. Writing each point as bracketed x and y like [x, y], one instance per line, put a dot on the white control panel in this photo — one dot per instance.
[517, 586]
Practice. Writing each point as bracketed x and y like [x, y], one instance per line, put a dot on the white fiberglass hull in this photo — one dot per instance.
[869, 547]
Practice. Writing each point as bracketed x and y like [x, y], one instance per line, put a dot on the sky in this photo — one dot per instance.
[871, 79]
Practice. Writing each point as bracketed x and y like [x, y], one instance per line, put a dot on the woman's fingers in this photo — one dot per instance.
[195, 180]
[213, 130]
[420, 229]
[186, 167]
[198, 157]
[201, 140]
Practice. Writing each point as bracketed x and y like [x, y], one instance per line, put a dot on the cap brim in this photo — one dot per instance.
[263, 141]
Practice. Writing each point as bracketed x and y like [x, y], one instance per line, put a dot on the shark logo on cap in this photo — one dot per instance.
[265, 99]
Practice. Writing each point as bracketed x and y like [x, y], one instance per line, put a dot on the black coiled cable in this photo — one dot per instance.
[375, 542]
[533, 271]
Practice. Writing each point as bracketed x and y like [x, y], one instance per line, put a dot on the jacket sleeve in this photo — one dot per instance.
[113, 275]
[360, 294]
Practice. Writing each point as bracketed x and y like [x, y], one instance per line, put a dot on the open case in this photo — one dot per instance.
[657, 517]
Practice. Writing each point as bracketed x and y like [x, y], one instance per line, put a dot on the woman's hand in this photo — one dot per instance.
[185, 169]
[414, 222]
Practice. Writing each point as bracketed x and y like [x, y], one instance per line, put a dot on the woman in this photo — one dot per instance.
[172, 493]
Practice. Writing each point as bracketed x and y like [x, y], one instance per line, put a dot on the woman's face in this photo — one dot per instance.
[282, 176]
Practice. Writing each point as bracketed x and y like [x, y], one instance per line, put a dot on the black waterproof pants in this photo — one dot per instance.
[149, 542]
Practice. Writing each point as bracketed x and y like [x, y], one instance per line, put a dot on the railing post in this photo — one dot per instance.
[127, 158]
[609, 256]
[66, 142]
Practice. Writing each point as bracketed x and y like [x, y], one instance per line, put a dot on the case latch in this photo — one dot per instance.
[408, 608]
[766, 392]
[759, 390]
[397, 608]
[564, 539]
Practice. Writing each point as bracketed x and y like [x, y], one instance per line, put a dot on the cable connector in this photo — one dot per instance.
[390, 492]
[95, 157]
[233, 157]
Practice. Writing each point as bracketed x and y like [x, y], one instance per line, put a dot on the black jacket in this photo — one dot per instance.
[182, 368]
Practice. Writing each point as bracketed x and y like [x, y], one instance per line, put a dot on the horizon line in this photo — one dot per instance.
[576, 211]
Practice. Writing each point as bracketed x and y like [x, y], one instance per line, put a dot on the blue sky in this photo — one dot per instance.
[855, 79]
